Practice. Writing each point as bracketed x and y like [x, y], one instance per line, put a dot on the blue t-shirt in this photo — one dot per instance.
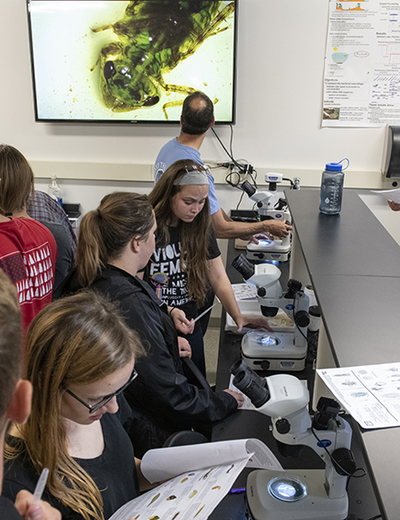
[174, 151]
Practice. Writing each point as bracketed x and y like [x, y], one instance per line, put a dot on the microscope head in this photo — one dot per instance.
[263, 276]
[282, 397]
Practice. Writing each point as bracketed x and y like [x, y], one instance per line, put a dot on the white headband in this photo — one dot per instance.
[197, 177]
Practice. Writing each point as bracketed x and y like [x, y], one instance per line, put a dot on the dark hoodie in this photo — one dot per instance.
[162, 392]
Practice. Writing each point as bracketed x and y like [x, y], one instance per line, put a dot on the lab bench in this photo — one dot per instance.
[354, 266]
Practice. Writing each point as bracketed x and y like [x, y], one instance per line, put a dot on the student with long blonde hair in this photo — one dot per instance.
[80, 357]
[187, 258]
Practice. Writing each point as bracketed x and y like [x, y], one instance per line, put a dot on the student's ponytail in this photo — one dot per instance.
[92, 252]
[104, 232]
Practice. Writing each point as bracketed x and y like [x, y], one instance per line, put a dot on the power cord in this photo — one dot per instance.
[336, 464]
[238, 168]
[295, 321]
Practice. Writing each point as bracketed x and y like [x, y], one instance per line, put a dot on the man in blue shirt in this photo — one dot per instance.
[197, 117]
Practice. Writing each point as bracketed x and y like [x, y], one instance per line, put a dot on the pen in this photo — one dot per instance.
[205, 312]
[237, 491]
[41, 484]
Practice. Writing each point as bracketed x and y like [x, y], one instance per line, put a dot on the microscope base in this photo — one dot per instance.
[316, 504]
[278, 250]
[283, 356]
[275, 256]
[269, 363]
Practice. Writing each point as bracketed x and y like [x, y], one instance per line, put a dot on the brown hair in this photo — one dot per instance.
[10, 343]
[194, 235]
[105, 232]
[76, 340]
[16, 180]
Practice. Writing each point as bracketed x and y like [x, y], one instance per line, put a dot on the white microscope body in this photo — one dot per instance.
[298, 494]
[277, 249]
[263, 350]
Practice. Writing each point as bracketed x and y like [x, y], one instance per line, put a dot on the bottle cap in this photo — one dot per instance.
[334, 167]
[337, 166]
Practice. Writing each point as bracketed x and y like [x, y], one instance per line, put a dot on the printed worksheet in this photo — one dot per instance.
[370, 393]
[190, 495]
[244, 291]
[202, 474]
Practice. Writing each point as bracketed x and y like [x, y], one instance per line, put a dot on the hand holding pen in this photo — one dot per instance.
[31, 507]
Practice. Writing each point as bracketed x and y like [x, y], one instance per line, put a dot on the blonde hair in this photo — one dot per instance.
[76, 340]
[10, 343]
[104, 232]
[16, 180]
[194, 235]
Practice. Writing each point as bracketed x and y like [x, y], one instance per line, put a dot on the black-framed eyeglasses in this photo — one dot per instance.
[106, 399]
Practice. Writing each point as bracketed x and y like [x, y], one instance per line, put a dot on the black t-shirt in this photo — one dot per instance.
[8, 511]
[165, 276]
[113, 471]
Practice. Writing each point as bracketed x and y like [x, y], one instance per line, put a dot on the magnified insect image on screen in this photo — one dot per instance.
[113, 60]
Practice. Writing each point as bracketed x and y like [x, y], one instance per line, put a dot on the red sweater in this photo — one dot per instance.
[28, 254]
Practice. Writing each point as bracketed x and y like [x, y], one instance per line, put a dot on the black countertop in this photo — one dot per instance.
[354, 266]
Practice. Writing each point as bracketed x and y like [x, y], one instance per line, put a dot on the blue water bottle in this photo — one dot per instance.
[332, 188]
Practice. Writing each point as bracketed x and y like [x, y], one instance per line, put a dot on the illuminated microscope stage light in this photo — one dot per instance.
[263, 339]
[287, 489]
[265, 242]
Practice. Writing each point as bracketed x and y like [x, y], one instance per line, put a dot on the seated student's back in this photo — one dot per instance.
[28, 251]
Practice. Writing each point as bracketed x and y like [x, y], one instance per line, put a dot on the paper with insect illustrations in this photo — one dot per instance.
[191, 495]
[201, 475]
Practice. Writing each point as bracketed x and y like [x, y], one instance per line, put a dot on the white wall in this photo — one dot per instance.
[279, 96]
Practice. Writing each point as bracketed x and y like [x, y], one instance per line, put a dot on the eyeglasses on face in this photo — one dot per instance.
[106, 399]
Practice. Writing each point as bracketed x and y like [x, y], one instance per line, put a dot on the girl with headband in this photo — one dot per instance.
[187, 257]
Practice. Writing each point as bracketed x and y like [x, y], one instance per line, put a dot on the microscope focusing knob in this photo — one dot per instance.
[265, 364]
[282, 426]
[302, 319]
[261, 291]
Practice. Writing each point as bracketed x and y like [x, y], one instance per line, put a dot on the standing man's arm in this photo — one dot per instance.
[225, 227]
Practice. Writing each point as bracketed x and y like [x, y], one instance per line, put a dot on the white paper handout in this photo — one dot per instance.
[202, 475]
[244, 291]
[393, 195]
[370, 393]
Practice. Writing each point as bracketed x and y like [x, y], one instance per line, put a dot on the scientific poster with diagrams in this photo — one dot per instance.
[362, 64]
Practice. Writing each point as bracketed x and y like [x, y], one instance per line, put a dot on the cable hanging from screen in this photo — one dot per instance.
[240, 169]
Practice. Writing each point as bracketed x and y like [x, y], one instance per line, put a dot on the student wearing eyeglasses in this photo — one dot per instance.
[80, 358]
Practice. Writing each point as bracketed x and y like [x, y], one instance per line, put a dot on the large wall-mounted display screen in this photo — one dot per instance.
[118, 61]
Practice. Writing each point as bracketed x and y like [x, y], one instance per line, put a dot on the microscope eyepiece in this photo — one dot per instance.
[327, 409]
[241, 366]
[243, 266]
[252, 388]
